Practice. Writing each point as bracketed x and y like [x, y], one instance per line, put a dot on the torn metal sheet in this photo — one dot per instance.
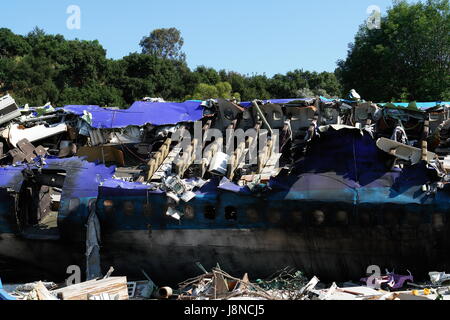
[228, 112]
[36, 133]
[93, 266]
[438, 278]
[180, 189]
[172, 212]
[227, 185]
[8, 109]
[82, 177]
[248, 104]
[219, 163]
[128, 135]
[96, 137]
[26, 151]
[403, 151]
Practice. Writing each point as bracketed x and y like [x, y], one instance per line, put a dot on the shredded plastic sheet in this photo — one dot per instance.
[227, 185]
[331, 100]
[115, 183]
[140, 113]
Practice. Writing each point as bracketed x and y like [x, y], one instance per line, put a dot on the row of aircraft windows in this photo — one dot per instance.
[314, 217]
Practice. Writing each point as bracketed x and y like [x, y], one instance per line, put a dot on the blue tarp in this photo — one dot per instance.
[420, 105]
[141, 113]
[82, 178]
[4, 295]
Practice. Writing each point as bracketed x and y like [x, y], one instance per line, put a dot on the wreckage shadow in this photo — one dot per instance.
[351, 154]
[413, 176]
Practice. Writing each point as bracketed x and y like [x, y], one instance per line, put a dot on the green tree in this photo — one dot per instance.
[12, 45]
[408, 58]
[224, 90]
[164, 43]
[305, 93]
[140, 75]
[205, 91]
[206, 75]
[40, 68]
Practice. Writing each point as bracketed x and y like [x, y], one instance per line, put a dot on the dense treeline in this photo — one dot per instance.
[40, 68]
[408, 58]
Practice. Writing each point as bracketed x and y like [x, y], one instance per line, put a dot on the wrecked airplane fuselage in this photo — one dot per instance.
[44, 208]
[338, 214]
[340, 199]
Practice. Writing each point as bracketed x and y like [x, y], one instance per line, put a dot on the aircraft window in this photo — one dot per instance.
[252, 215]
[318, 217]
[365, 219]
[210, 212]
[391, 218]
[230, 213]
[438, 221]
[128, 208]
[274, 216]
[147, 209]
[74, 204]
[109, 206]
[297, 216]
[413, 219]
[189, 212]
[342, 217]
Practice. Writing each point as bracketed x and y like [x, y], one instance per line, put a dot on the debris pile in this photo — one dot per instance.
[154, 146]
[107, 288]
[163, 149]
[218, 285]
[292, 285]
[287, 284]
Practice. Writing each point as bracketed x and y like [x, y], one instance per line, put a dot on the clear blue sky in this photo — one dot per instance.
[247, 36]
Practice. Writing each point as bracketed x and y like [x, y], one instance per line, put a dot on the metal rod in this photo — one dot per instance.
[255, 104]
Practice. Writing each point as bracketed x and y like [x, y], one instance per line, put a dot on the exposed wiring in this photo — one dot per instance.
[122, 145]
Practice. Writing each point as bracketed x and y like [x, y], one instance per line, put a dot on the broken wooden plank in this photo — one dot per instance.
[43, 293]
[112, 286]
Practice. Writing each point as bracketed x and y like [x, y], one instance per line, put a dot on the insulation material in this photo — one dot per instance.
[102, 155]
